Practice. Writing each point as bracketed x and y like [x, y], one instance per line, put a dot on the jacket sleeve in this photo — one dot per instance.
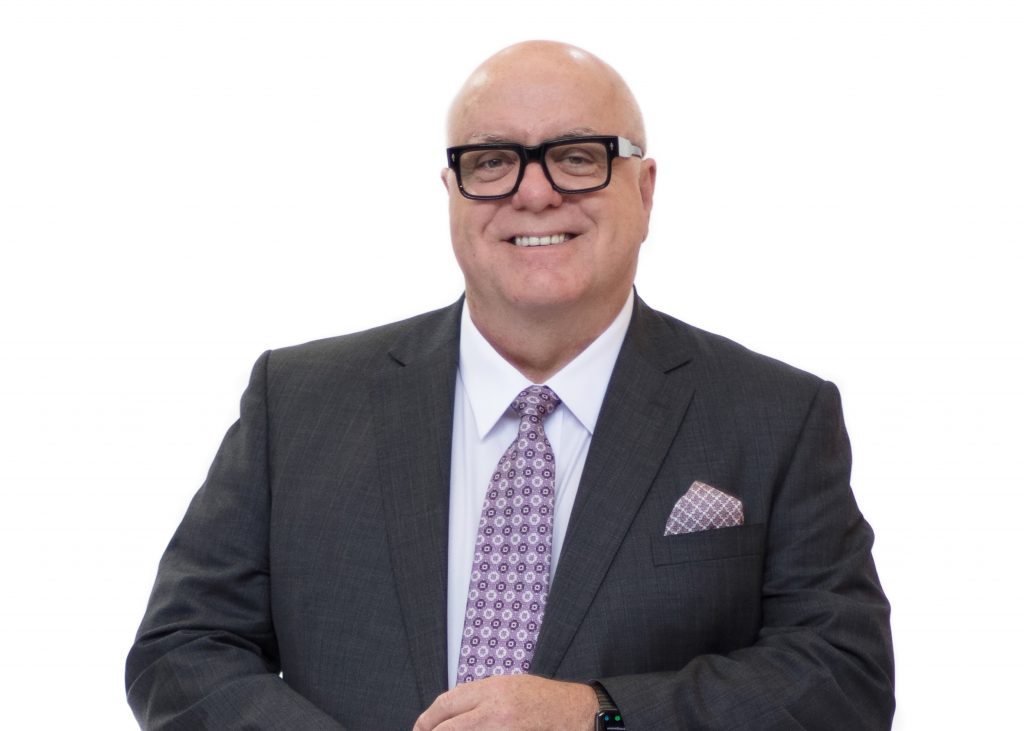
[205, 656]
[823, 658]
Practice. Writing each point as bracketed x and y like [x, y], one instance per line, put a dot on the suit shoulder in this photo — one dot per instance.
[368, 350]
[724, 361]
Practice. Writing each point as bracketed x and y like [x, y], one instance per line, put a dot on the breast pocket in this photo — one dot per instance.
[709, 545]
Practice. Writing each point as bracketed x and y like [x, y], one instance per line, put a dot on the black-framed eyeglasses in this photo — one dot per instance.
[571, 164]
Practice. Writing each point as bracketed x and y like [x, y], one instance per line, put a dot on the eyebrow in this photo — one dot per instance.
[478, 138]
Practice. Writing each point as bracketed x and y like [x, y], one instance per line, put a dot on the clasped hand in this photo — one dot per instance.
[512, 703]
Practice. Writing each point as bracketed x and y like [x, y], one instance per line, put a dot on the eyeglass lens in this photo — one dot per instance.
[571, 165]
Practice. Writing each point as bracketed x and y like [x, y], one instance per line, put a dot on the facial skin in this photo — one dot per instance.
[530, 93]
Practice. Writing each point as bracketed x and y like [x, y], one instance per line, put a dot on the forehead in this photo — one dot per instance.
[535, 105]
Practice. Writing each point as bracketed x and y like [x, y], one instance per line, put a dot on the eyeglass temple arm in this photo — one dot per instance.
[628, 149]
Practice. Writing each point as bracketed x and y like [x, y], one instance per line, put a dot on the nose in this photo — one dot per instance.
[535, 191]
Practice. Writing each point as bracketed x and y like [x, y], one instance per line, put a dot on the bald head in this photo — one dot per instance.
[536, 75]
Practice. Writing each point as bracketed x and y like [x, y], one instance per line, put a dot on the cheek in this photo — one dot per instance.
[459, 224]
[621, 228]
[629, 220]
[468, 225]
[468, 220]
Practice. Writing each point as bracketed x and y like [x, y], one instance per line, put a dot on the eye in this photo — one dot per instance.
[582, 159]
[490, 163]
[487, 165]
[577, 158]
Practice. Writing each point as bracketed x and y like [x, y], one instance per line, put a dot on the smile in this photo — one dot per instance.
[541, 240]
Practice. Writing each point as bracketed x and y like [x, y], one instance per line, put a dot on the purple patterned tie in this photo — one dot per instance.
[512, 562]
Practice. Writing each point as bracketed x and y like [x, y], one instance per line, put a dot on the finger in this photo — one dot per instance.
[473, 720]
[448, 705]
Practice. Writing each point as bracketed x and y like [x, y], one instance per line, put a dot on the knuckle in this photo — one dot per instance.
[444, 701]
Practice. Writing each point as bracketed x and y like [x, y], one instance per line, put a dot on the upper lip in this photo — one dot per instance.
[541, 234]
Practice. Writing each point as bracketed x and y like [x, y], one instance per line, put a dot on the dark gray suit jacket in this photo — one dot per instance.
[317, 548]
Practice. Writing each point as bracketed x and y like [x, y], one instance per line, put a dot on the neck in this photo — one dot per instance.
[539, 344]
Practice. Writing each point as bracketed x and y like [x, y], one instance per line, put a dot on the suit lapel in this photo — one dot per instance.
[647, 397]
[415, 398]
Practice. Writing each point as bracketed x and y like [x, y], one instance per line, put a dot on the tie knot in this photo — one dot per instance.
[536, 401]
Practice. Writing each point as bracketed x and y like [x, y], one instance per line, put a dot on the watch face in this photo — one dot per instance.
[609, 721]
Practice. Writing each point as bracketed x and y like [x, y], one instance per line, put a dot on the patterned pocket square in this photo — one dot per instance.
[703, 507]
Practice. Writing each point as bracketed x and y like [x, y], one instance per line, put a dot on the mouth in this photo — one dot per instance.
[547, 240]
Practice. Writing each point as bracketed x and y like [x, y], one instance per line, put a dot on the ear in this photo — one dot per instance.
[446, 179]
[648, 173]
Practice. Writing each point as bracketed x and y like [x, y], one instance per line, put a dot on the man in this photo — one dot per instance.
[696, 561]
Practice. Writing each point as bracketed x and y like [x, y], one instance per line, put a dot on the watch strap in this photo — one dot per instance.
[608, 717]
[604, 701]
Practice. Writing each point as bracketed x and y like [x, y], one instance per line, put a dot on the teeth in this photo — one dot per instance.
[541, 240]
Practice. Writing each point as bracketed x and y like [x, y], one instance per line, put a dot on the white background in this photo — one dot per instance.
[185, 184]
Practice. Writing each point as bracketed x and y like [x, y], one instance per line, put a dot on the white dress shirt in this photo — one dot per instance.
[484, 427]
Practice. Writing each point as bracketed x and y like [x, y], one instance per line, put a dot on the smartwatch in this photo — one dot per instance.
[608, 717]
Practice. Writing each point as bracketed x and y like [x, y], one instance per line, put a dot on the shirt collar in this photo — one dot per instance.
[491, 382]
